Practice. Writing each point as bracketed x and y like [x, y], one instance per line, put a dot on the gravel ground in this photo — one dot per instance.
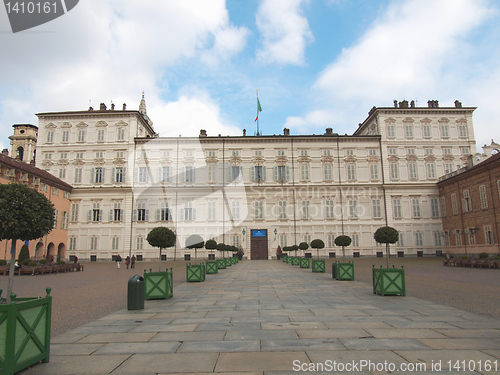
[80, 297]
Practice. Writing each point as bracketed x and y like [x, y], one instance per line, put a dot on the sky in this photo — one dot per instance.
[315, 63]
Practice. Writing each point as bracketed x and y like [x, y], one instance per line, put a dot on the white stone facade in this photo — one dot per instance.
[127, 181]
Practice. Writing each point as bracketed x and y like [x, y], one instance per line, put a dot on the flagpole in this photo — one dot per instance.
[257, 92]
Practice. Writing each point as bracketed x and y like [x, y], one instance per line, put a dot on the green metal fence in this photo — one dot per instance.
[389, 281]
[211, 266]
[318, 265]
[305, 263]
[24, 332]
[221, 264]
[158, 285]
[195, 272]
[345, 271]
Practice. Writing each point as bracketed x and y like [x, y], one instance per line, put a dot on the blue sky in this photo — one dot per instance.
[316, 63]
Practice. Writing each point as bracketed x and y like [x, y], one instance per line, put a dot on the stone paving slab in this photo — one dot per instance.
[258, 317]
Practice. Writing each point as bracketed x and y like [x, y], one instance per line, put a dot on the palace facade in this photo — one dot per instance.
[256, 192]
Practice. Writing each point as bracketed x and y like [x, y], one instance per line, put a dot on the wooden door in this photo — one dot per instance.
[258, 245]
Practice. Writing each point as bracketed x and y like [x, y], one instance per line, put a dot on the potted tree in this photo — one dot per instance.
[159, 285]
[318, 265]
[295, 259]
[388, 281]
[25, 214]
[304, 262]
[195, 241]
[221, 263]
[343, 271]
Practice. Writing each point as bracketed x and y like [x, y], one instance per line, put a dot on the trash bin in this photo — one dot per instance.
[135, 295]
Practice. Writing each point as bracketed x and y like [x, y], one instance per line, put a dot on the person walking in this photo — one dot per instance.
[118, 260]
[127, 261]
[132, 262]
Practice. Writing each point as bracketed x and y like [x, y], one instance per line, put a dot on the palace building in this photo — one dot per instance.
[254, 192]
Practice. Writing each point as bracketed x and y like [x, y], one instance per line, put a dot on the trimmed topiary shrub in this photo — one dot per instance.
[3, 262]
[24, 253]
[25, 262]
[317, 244]
[32, 264]
[43, 261]
[343, 241]
[483, 255]
[61, 262]
[386, 235]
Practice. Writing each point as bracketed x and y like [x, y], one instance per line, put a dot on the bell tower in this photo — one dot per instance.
[23, 142]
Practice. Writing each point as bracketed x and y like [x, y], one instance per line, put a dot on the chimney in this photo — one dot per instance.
[395, 103]
[91, 109]
[203, 133]
[403, 104]
[124, 106]
[329, 131]
[286, 131]
[5, 152]
[458, 104]
[433, 104]
[112, 106]
[102, 107]
[244, 132]
[412, 104]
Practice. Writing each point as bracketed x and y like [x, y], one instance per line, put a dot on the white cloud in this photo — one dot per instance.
[107, 50]
[404, 51]
[418, 49]
[285, 31]
[315, 120]
[188, 115]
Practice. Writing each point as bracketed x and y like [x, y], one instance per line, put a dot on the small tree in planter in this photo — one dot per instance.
[317, 244]
[386, 235]
[161, 237]
[195, 241]
[343, 241]
[24, 214]
[303, 246]
[295, 248]
[211, 245]
[221, 247]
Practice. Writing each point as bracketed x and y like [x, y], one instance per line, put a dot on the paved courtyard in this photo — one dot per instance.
[268, 317]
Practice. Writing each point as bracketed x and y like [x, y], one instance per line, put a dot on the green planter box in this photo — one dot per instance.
[234, 260]
[334, 270]
[289, 259]
[318, 265]
[389, 281]
[295, 261]
[195, 272]
[284, 258]
[221, 264]
[24, 332]
[344, 271]
[212, 266]
[304, 262]
[229, 262]
[158, 285]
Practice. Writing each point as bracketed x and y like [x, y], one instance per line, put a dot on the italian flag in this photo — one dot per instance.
[259, 109]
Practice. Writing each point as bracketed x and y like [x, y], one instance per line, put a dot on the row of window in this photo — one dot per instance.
[428, 150]
[329, 210]
[426, 131]
[471, 235]
[467, 200]
[81, 135]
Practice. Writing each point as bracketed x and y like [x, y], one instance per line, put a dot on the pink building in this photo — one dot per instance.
[56, 190]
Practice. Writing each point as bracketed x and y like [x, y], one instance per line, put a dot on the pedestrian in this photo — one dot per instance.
[118, 260]
[132, 262]
[75, 259]
[127, 261]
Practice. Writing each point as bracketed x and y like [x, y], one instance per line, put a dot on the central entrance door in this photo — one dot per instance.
[258, 246]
